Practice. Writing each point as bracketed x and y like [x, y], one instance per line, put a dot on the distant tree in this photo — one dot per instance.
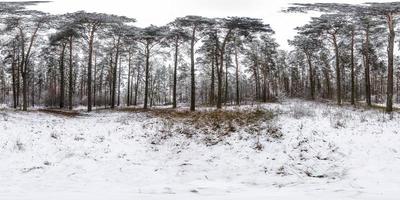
[194, 24]
[176, 35]
[149, 37]
[64, 37]
[27, 24]
[308, 44]
[235, 26]
[91, 23]
[386, 10]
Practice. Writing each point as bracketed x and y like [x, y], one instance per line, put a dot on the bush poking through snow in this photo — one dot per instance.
[338, 120]
[299, 112]
[54, 136]
[5, 116]
[274, 132]
[19, 146]
[214, 126]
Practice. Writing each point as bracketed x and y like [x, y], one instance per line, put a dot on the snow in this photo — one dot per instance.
[326, 152]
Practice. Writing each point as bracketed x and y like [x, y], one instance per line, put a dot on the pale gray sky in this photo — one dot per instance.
[160, 12]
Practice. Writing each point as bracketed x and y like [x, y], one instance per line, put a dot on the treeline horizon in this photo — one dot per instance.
[103, 60]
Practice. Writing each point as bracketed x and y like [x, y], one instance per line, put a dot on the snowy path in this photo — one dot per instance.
[329, 153]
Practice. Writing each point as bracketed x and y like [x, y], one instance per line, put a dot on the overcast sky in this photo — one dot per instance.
[160, 12]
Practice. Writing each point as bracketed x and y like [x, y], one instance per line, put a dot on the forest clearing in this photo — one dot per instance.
[193, 99]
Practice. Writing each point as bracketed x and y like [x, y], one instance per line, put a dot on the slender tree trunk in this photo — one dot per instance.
[146, 87]
[70, 90]
[136, 87]
[192, 74]
[23, 71]
[237, 76]
[175, 72]
[32, 80]
[132, 86]
[367, 71]
[338, 79]
[327, 81]
[226, 83]
[219, 79]
[14, 82]
[114, 75]
[62, 81]
[212, 86]
[103, 100]
[119, 82]
[95, 80]
[389, 93]
[311, 72]
[18, 85]
[353, 87]
[89, 71]
[25, 68]
[128, 96]
[221, 66]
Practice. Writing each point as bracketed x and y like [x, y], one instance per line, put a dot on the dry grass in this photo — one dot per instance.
[213, 117]
[66, 113]
[212, 125]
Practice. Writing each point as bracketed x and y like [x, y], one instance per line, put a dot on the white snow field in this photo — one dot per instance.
[307, 151]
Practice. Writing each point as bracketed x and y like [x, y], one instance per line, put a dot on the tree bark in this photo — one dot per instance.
[192, 73]
[221, 66]
[14, 81]
[114, 75]
[119, 81]
[367, 71]
[353, 88]
[136, 87]
[338, 79]
[62, 81]
[311, 72]
[389, 93]
[70, 90]
[89, 71]
[212, 86]
[237, 75]
[226, 83]
[146, 87]
[128, 96]
[175, 72]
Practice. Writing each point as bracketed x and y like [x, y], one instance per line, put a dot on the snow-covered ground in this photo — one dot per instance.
[325, 152]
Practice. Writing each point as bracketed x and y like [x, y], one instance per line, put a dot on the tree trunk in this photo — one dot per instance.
[33, 87]
[389, 93]
[14, 81]
[128, 96]
[327, 81]
[353, 88]
[338, 79]
[114, 75]
[226, 83]
[119, 82]
[212, 86]
[192, 74]
[146, 87]
[219, 78]
[311, 72]
[70, 90]
[95, 80]
[237, 76]
[89, 71]
[367, 75]
[136, 87]
[221, 66]
[175, 72]
[62, 81]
